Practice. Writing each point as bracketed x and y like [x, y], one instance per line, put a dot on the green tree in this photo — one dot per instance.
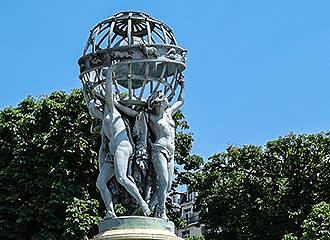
[252, 192]
[317, 224]
[48, 168]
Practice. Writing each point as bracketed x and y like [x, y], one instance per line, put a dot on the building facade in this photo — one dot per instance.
[185, 201]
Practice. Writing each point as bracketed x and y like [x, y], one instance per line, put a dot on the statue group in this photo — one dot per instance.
[131, 71]
[136, 156]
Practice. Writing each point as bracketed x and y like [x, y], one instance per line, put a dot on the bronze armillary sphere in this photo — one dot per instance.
[142, 52]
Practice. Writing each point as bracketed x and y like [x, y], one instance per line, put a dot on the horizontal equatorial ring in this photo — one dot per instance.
[133, 54]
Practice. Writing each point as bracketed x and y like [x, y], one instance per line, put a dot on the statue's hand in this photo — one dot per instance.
[86, 85]
[181, 81]
[115, 99]
[84, 88]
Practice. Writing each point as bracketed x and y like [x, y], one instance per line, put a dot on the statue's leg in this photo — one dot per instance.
[170, 170]
[154, 199]
[121, 156]
[160, 165]
[106, 173]
[102, 152]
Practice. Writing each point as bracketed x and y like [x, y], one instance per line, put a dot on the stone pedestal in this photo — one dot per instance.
[136, 228]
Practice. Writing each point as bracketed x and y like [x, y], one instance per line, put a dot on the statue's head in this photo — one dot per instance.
[157, 99]
[94, 105]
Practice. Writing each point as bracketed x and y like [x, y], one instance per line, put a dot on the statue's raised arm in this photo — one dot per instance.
[178, 104]
[93, 107]
[109, 99]
[128, 111]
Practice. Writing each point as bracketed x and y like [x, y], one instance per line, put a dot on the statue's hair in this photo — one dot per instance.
[152, 99]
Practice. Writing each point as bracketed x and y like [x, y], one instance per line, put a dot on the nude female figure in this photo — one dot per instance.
[161, 123]
[115, 147]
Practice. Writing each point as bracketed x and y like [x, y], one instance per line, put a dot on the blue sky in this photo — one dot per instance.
[256, 70]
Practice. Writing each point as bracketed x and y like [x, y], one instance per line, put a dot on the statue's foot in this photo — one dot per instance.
[152, 203]
[145, 209]
[109, 215]
[163, 216]
[161, 213]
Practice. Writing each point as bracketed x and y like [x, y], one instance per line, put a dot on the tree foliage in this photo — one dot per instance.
[48, 168]
[251, 192]
[317, 224]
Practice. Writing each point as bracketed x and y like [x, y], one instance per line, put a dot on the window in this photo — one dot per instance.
[189, 197]
[187, 210]
[186, 233]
